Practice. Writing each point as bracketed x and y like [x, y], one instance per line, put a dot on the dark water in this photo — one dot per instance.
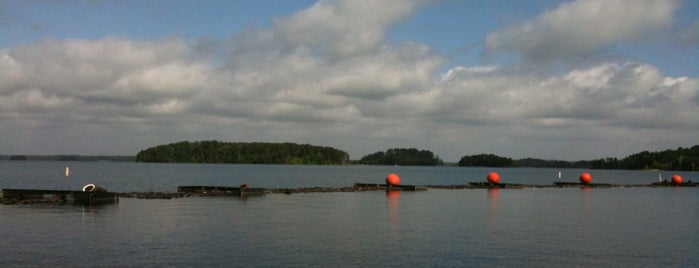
[627, 227]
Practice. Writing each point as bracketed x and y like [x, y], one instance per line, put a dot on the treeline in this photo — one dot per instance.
[686, 159]
[402, 156]
[67, 157]
[243, 153]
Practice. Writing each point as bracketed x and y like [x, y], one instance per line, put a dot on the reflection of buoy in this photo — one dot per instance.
[67, 171]
[585, 178]
[676, 179]
[392, 179]
[494, 177]
[393, 193]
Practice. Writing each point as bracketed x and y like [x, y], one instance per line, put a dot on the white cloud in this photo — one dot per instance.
[629, 96]
[343, 28]
[317, 78]
[583, 27]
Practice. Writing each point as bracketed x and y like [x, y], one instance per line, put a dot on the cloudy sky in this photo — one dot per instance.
[571, 80]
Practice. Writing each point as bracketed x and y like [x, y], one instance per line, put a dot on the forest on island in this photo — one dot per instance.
[403, 157]
[243, 153]
[686, 159]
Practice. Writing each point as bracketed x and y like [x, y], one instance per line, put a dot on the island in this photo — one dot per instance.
[243, 153]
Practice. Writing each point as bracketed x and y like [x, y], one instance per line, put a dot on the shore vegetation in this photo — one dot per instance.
[243, 153]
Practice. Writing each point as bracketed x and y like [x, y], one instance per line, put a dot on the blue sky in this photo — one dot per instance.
[26, 21]
[549, 79]
[452, 28]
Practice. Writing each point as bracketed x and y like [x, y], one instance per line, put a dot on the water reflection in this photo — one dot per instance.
[586, 207]
[393, 199]
[94, 209]
[585, 193]
[493, 203]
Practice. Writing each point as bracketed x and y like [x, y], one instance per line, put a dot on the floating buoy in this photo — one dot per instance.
[585, 178]
[392, 179]
[67, 171]
[677, 179]
[494, 177]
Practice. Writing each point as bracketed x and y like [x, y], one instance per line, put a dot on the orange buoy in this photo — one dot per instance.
[392, 179]
[585, 178]
[677, 179]
[494, 177]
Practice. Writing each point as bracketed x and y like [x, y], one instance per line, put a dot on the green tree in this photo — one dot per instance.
[245, 153]
[402, 156]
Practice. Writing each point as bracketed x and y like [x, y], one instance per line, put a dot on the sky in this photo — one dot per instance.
[566, 80]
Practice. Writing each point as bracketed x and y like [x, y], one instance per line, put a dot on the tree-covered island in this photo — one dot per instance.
[680, 159]
[403, 157]
[686, 159]
[243, 153]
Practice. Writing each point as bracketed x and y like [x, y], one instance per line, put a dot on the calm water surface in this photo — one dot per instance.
[627, 227]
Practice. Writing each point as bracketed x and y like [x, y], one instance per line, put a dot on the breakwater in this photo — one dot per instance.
[361, 187]
[51, 196]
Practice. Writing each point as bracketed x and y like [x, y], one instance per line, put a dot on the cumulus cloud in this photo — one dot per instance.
[624, 96]
[607, 106]
[97, 78]
[326, 76]
[344, 28]
[327, 64]
[582, 27]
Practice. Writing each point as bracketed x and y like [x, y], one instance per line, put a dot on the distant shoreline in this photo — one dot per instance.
[126, 158]
[121, 158]
[681, 159]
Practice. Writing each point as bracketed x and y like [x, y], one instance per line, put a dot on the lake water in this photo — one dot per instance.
[533, 227]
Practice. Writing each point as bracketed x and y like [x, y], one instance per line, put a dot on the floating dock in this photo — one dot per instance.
[32, 196]
[243, 190]
[93, 195]
[671, 184]
[488, 185]
[377, 186]
[560, 184]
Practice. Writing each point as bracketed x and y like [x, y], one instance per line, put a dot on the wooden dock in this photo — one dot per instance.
[30, 196]
[376, 186]
[222, 190]
[488, 185]
[671, 184]
[580, 184]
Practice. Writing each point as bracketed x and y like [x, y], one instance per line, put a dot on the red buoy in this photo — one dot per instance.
[392, 179]
[494, 177]
[585, 178]
[677, 179]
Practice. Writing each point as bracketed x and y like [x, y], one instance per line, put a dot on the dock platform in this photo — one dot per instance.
[30, 196]
[378, 186]
[243, 190]
[488, 185]
[671, 184]
[580, 184]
